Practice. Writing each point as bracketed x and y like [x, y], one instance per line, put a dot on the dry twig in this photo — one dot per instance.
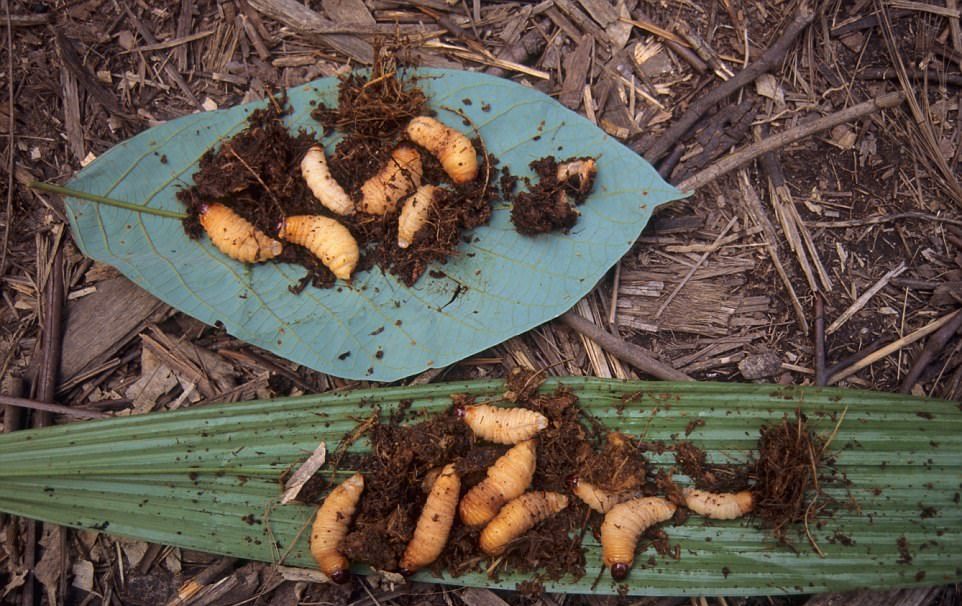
[773, 55]
[750, 152]
[621, 349]
[893, 347]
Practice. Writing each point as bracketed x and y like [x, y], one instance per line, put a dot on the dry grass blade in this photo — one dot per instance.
[930, 144]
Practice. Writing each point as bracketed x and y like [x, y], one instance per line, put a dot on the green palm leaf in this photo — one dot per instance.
[207, 479]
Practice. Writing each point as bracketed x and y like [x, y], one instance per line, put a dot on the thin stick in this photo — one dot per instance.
[894, 346]
[834, 433]
[628, 352]
[820, 373]
[885, 219]
[956, 32]
[73, 193]
[932, 347]
[750, 152]
[774, 54]
[613, 305]
[863, 300]
[59, 409]
[11, 124]
[694, 268]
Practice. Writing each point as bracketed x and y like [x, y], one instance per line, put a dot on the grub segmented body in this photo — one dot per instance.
[507, 479]
[400, 176]
[317, 175]
[718, 505]
[237, 237]
[434, 523]
[622, 526]
[596, 498]
[503, 425]
[414, 214]
[327, 239]
[331, 525]
[452, 148]
[518, 517]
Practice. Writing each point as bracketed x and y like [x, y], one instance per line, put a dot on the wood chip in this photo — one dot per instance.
[576, 74]
[304, 473]
[98, 325]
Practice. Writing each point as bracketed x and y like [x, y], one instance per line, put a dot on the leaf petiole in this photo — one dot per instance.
[73, 193]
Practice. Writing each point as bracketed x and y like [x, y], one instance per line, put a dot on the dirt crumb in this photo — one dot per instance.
[550, 203]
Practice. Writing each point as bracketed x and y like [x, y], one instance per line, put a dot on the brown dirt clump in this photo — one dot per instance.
[401, 456]
[620, 466]
[785, 474]
[550, 204]
[257, 174]
[404, 459]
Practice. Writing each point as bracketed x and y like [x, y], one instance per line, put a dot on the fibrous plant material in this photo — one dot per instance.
[327, 239]
[400, 176]
[622, 527]
[507, 479]
[786, 485]
[434, 524]
[502, 425]
[452, 148]
[331, 525]
[718, 505]
[236, 237]
[518, 517]
[550, 204]
[378, 105]
[414, 214]
[317, 175]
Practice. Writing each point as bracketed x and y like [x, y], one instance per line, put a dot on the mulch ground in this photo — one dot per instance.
[798, 267]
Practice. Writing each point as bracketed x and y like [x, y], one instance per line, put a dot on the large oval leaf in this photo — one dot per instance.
[378, 329]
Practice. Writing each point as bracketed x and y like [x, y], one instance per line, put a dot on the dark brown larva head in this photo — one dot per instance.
[459, 411]
[572, 481]
[405, 572]
[619, 571]
[203, 208]
[341, 576]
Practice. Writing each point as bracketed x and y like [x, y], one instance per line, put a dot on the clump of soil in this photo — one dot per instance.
[257, 174]
[372, 112]
[619, 467]
[715, 478]
[550, 204]
[401, 456]
[786, 484]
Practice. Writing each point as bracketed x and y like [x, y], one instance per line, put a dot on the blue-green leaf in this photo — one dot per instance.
[501, 285]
